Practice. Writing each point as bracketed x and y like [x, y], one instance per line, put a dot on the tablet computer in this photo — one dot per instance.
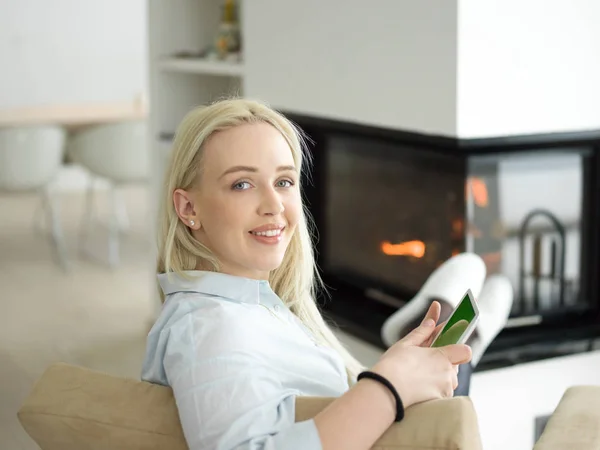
[460, 324]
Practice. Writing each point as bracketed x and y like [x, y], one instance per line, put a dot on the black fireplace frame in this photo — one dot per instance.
[351, 309]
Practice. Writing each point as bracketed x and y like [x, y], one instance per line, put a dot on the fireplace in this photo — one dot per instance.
[390, 215]
[392, 206]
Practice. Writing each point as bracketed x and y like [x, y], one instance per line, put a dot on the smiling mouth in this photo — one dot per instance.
[268, 233]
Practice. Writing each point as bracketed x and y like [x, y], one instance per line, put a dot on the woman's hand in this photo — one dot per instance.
[418, 372]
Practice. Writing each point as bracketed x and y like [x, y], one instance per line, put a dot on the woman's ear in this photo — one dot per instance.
[186, 208]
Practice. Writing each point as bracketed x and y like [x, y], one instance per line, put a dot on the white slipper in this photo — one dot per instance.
[448, 282]
[495, 303]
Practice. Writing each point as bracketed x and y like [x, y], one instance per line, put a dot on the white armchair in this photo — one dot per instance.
[118, 153]
[30, 160]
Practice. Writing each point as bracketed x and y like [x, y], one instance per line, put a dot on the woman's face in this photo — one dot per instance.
[247, 204]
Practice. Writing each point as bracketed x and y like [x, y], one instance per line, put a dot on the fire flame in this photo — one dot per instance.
[408, 248]
[479, 191]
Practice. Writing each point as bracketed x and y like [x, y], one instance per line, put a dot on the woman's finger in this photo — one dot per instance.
[434, 311]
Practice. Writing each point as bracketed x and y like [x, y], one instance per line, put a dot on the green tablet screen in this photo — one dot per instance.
[457, 324]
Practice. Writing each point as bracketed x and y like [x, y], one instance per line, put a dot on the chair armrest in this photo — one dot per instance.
[438, 424]
[575, 424]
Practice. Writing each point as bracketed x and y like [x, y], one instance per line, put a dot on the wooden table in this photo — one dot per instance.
[73, 116]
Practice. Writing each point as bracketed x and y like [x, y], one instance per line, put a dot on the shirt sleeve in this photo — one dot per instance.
[227, 395]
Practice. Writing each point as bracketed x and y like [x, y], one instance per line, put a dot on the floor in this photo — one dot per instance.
[92, 316]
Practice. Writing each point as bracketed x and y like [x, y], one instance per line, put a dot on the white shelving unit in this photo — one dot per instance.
[179, 84]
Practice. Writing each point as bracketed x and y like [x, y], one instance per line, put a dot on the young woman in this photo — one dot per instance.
[239, 336]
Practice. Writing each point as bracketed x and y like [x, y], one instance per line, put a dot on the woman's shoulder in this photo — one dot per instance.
[185, 309]
[196, 327]
[200, 317]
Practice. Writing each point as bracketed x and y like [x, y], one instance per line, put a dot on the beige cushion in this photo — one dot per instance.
[72, 408]
[438, 424]
[575, 424]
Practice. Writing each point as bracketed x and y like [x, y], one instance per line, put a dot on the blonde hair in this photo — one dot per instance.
[296, 280]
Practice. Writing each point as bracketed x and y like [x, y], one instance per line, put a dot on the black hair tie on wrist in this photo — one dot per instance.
[390, 386]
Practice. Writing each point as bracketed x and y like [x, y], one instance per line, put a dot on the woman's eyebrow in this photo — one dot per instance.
[253, 169]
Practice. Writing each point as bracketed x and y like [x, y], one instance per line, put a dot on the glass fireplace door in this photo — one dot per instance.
[524, 218]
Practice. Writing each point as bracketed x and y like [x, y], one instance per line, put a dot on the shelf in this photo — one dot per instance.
[201, 67]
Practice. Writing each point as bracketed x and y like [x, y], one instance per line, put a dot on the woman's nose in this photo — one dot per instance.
[271, 204]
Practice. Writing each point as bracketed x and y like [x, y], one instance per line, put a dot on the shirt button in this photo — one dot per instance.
[276, 308]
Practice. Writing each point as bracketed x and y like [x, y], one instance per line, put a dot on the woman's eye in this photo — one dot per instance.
[285, 183]
[240, 186]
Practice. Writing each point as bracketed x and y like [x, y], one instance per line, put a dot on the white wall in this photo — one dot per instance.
[528, 66]
[466, 68]
[390, 63]
[71, 51]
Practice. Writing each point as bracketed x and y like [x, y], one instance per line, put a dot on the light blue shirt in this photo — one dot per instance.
[236, 359]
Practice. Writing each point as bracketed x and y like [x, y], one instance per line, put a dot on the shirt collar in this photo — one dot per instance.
[239, 289]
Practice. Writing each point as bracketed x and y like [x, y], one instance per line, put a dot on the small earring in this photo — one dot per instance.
[192, 223]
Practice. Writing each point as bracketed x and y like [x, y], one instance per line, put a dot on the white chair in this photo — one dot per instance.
[119, 154]
[30, 160]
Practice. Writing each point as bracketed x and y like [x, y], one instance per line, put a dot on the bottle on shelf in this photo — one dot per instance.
[227, 41]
